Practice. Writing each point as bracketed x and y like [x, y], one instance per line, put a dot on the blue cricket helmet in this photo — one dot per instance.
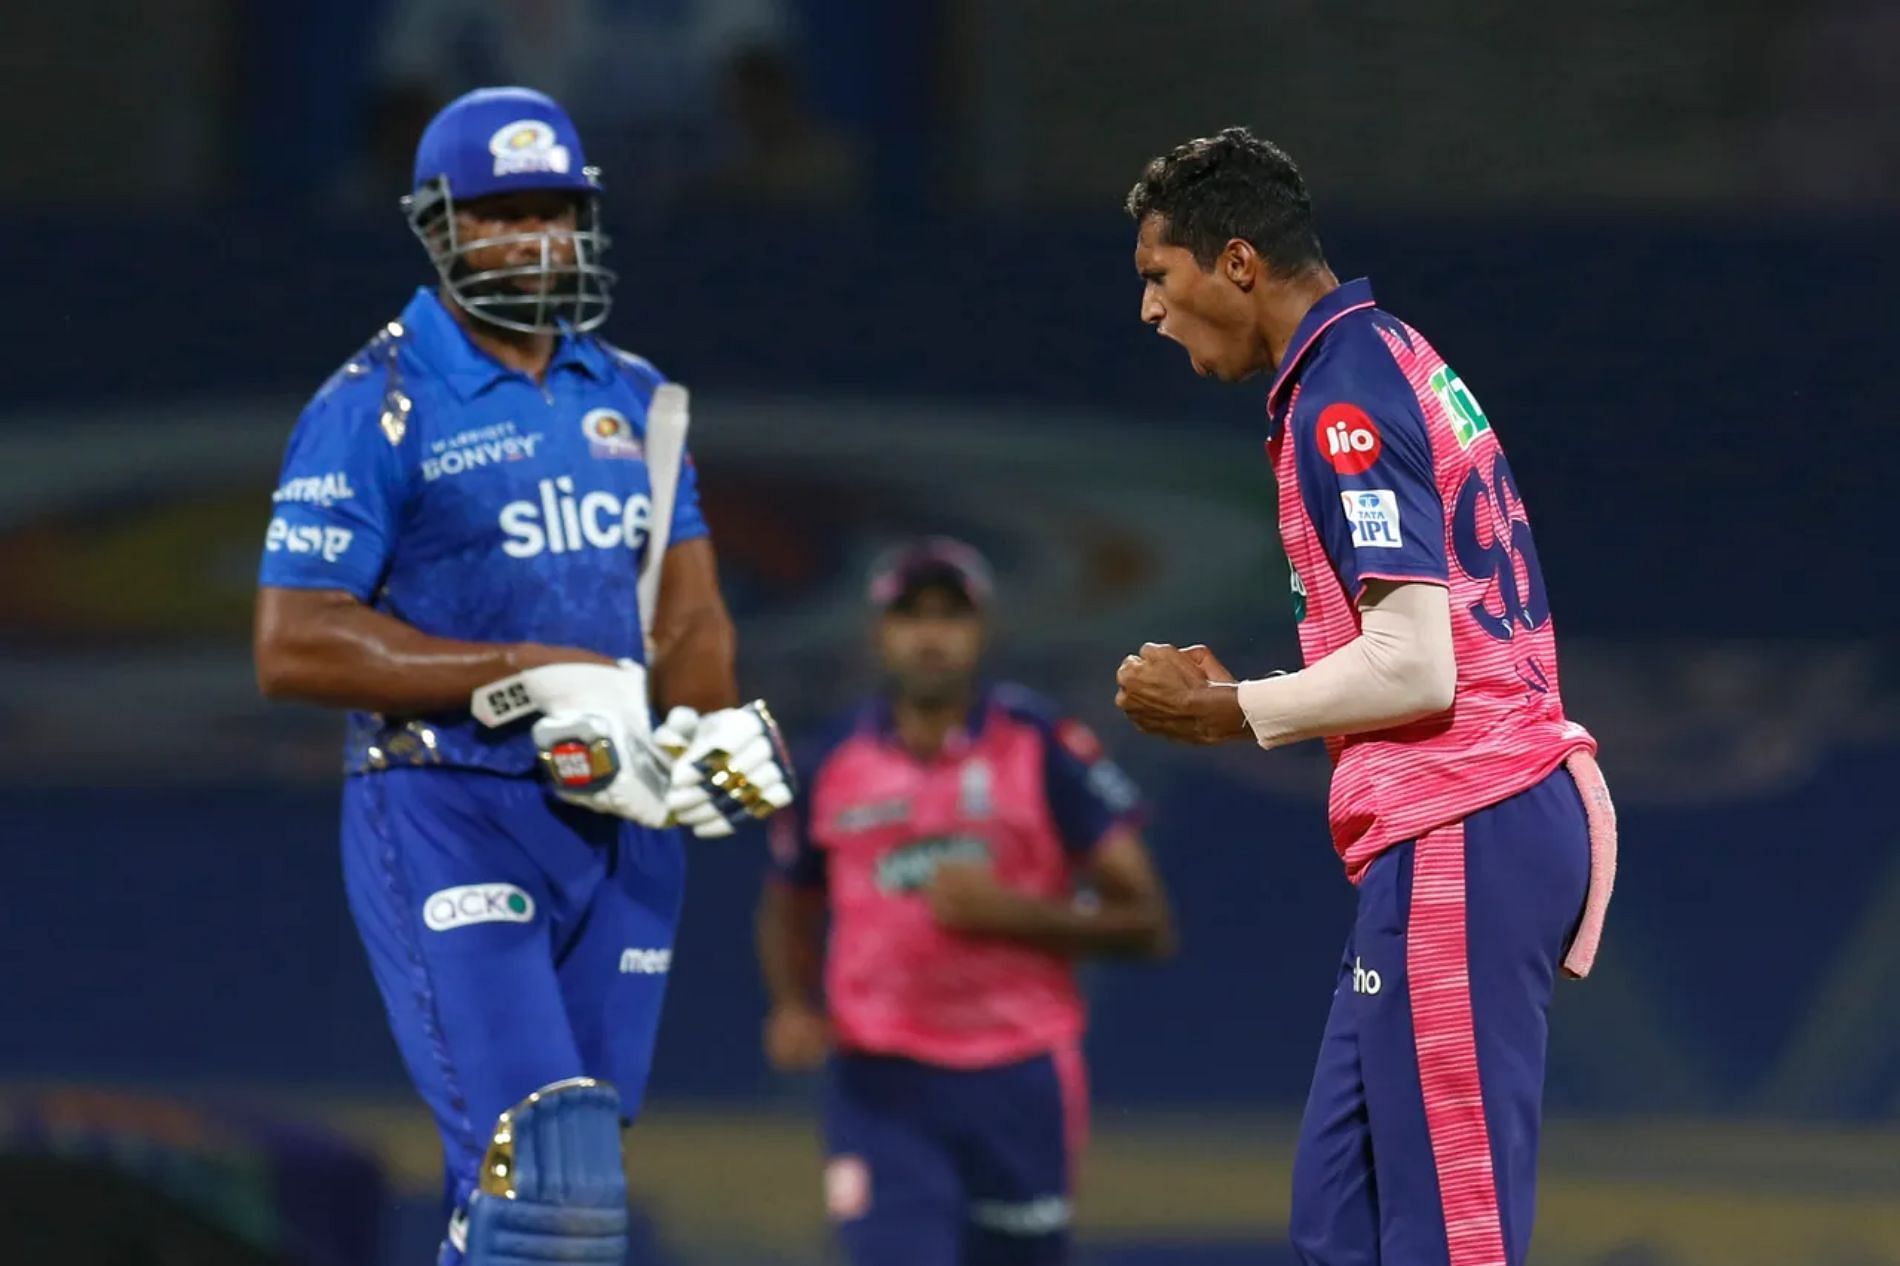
[507, 140]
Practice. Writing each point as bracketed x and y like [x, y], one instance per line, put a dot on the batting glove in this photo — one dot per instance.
[593, 734]
[734, 769]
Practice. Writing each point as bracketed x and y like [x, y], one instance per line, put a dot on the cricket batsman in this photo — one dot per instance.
[1467, 809]
[487, 545]
[967, 844]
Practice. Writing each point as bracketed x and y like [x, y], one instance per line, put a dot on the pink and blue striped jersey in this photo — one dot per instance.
[1389, 470]
[1018, 789]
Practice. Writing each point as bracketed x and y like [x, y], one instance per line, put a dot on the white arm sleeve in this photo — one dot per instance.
[1398, 669]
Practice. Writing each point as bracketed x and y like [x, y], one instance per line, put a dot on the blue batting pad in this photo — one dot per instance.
[552, 1188]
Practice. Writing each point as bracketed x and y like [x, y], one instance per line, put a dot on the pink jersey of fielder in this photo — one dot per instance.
[1018, 789]
[1389, 470]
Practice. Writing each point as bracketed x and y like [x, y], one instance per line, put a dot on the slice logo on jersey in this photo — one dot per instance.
[610, 435]
[474, 450]
[329, 543]
[1467, 419]
[646, 962]
[562, 523]
[1365, 980]
[469, 904]
[1374, 516]
[908, 869]
[316, 490]
[847, 1188]
[1349, 438]
[528, 145]
[1298, 588]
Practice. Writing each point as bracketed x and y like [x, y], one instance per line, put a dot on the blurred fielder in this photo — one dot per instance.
[1466, 808]
[488, 545]
[968, 845]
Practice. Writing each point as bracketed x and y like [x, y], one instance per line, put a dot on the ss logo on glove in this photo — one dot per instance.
[509, 700]
[597, 748]
[578, 765]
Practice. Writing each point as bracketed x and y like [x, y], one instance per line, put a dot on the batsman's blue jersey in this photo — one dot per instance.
[470, 502]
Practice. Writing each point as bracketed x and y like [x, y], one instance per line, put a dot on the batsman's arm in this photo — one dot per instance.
[325, 646]
[694, 644]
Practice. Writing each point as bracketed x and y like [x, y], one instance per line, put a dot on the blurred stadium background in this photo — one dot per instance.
[882, 242]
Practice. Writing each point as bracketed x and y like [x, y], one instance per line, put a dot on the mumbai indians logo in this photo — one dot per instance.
[609, 434]
[528, 145]
[1467, 419]
[909, 868]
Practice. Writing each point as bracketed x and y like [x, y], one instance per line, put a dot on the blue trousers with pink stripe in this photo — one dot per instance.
[1419, 1143]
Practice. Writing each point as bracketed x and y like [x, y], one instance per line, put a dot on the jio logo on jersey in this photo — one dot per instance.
[1349, 439]
[561, 523]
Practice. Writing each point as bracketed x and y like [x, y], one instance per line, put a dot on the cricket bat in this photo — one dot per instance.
[667, 419]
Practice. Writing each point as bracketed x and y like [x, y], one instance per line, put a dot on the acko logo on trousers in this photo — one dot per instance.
[476, 903]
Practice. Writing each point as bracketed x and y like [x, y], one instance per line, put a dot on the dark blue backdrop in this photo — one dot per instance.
[1698, 412]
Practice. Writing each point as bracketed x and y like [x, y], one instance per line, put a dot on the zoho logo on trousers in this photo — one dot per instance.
[1363, 980]
[560, 522]
[476, 903]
